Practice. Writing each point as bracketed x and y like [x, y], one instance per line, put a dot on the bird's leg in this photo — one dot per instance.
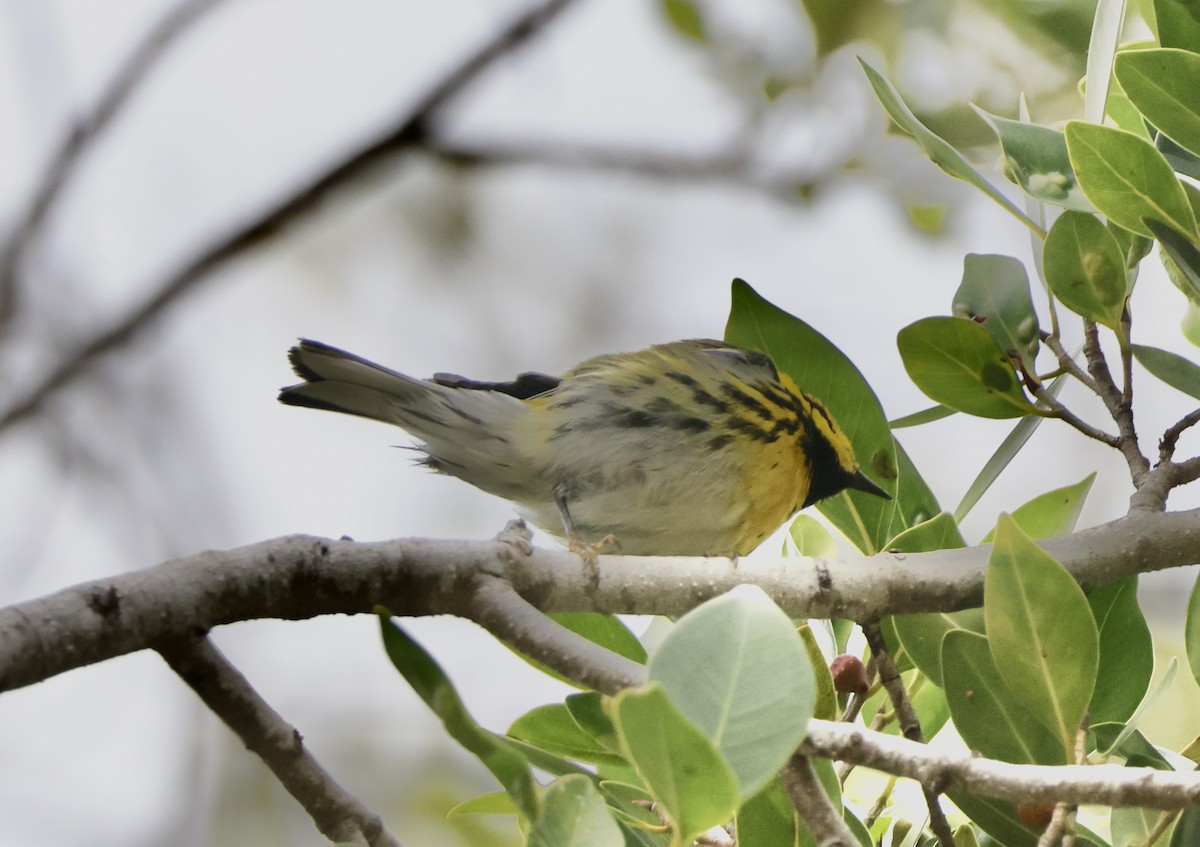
[588, 552]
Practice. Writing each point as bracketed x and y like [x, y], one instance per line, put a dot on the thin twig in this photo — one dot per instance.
[1058, 410]
[1119, 405]
[1160, 827]
[1066, 361]
[338, 814]
[814, 806]
[300, 204]
[83, 134]
[1170, 438]
[909, 723]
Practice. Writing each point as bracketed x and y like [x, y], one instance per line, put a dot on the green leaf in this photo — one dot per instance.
[964, 836]
[1187, 829]
[826, 705]
[685, 16]
[938, 533]
[433, 686]
[1123, 113]
[1191, 631]
[1005, 453]
[1189, 325]
[1085, 268]
[1131, 826]
[933, 413]
[1127, 652]
[1180, 257]
[769, 819]
[1180, 160]
[587, 710]
[736, 669]
[1178, 25]
[956, 362]
[995, 292]
[812, 538]
[1126, 178]
[574, 815]
[1130, 730]
[1106, 32]
[1171, 368]
[493, 803]
[606, 630]
[939, 151]
[838, 22]
[1163, 85]
[1035, 158]
[1041, 632]
[1052, 514]
[683, 771]
[922, 636]
[998, 818]
[1133, 746]
[552, 728]
[987, 714]
[823, 370]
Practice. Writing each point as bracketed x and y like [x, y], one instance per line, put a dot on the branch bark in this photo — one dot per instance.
[338, 814]
[299, 577]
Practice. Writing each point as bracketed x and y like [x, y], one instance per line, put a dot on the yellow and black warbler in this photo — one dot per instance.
[689, 448]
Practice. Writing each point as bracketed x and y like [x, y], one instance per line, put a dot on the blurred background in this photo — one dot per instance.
[593, 189]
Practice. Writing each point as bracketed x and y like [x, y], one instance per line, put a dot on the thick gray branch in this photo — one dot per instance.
[301, 577]
[338, 815]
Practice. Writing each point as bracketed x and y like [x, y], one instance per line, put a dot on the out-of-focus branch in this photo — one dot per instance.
[82, 135]
[339, 815]
[297, 206]
[302, 577]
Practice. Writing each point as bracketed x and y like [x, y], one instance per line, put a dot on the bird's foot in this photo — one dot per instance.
[590, 553]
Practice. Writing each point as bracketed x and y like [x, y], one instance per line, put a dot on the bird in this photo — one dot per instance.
[689, 448]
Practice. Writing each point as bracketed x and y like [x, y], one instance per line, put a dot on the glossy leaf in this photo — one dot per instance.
[994, 292]
[811, 538]
[769, 819]
[1126, 652]
[1187, 829]
[1130, 826]
[433, 686]
[956, 362]
[684, 772]
[736, 668]
[821, 369]
[1005, 453]
[922, 636]
[574, 815]
[1171, 368]
[998, 818]
[1106, 33]
[1191, 631]
[493, 803]
[938, 533]
[1085, 268]
[587, 710]
[1189, 324]
[939, 151]
[1178, 25]
[987, 714]
[1126, 178]
[1163, 85]
[1128, 735]
[1040, 629]
[826, 705]
[1180, 258]
[1035, 158]
[1052, 514]
[933, 413]
[553, 729]
[1180, 160]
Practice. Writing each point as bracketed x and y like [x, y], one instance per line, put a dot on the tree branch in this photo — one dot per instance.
[299, 577]
[808, 797]
[84, 132]
[945, 770]
[338, 815]
[299, 205]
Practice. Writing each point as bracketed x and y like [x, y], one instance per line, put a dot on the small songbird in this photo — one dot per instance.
[688, 448]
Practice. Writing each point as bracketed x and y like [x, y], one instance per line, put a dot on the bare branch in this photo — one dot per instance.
[909, 723]
[1166, 445]
[83, 134]
[297, 206]
[338, 815]
[946, 770]
[810, 800]
[300, 577]
[1117, 404]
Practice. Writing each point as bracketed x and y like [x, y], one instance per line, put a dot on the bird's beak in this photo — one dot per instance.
[861, 482]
